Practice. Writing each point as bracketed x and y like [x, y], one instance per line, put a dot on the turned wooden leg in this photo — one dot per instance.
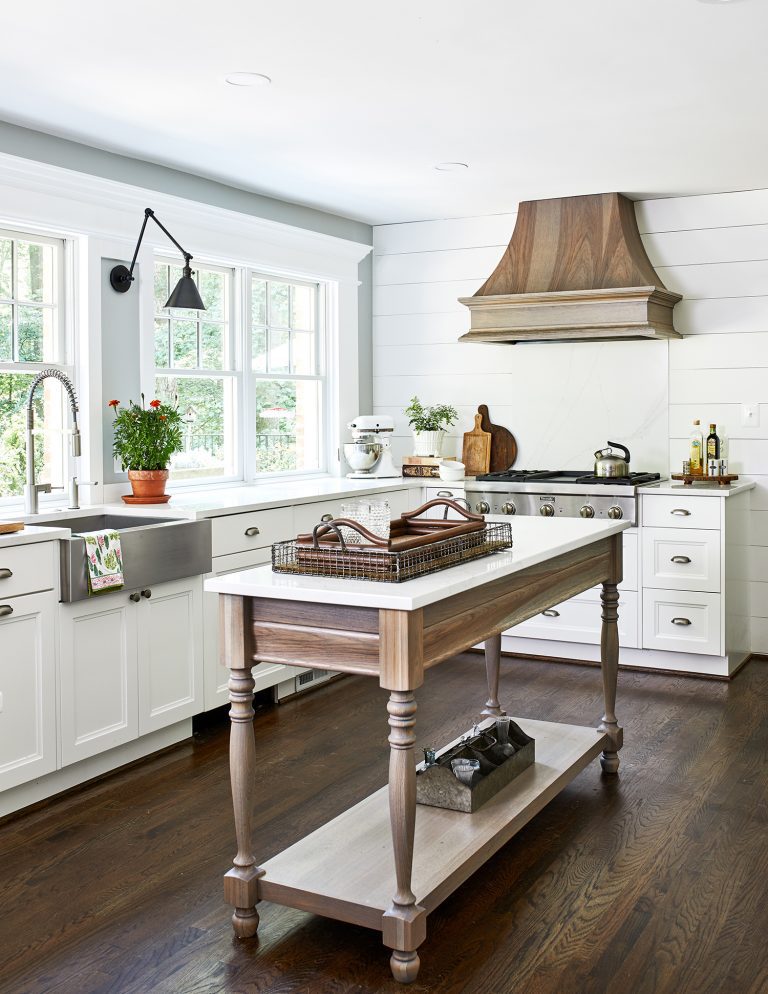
[405, 922]
[492, 663]
[241, 882]
[609, 658]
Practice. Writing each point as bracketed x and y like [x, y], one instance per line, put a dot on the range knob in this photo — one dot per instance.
[587, 511]
[483, 507]
[615, 512]
[547, 510]
[508, 508]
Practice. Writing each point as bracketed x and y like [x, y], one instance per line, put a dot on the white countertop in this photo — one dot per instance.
[536, 540]
[32, 534]
[670, 488]
[258, 497]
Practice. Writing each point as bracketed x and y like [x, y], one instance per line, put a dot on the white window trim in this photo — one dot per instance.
[64, 348]
[103, 217]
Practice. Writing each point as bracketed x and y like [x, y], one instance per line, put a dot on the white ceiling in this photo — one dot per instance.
[544, 98]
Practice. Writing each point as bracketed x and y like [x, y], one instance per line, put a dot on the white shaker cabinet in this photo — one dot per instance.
[97, 675]
[170, 653]
[130, 663]
[27, 687]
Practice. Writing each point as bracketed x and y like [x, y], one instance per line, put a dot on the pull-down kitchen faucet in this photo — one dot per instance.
[32, 489]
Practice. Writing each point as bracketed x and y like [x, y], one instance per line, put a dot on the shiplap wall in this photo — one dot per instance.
[564, 400]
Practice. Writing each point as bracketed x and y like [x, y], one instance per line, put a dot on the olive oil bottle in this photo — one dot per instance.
[697, 449]
[713, 444]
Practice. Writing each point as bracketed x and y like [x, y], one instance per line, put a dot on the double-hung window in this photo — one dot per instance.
[195, 367]
[247, 373]
[287, 382]
[32, 337]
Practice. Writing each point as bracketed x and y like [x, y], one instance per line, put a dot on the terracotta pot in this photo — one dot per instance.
[148, 482]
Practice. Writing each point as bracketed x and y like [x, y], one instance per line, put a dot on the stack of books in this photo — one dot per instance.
[425, 467]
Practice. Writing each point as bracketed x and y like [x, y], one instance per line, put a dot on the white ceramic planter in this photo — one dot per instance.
[428, 443]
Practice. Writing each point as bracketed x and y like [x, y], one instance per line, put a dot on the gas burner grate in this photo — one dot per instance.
[633, 480]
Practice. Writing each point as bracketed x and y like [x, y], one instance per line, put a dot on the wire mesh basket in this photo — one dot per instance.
[426, 547]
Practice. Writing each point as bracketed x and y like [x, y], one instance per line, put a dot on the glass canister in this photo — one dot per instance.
[373, 514]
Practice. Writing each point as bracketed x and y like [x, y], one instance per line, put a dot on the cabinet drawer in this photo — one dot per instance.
[251, 530]
[684, 559]
[681, 511]
[31, 568]
[682, 622]
[578, 620]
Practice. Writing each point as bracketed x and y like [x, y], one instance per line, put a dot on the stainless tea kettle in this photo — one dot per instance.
[608, 464]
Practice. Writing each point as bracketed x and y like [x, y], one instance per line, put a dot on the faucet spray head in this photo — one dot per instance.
[75, 441]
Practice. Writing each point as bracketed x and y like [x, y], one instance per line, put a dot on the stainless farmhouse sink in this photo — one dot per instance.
[154, 549]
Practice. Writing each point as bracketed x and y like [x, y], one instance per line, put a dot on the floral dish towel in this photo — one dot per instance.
[104, 559]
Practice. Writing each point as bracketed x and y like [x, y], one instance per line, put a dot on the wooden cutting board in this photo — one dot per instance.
[476, 452]
[503, 444]
[9, 527]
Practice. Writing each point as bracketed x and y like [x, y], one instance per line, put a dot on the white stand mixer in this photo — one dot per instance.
[369, 454]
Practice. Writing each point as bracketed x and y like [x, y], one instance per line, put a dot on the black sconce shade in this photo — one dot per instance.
[185, 294]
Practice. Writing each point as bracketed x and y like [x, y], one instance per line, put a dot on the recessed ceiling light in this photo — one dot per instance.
[451, 167]
[247, 79]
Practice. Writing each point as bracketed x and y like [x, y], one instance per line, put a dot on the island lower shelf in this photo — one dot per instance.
[345, 869]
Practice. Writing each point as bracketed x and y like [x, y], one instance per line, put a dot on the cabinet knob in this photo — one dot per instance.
[253, 530]
[680, 559]
[135, 597]
[5, 610]
[146, 593]
[681, 510]
[681, 621]
[551, 613]
[6, 574]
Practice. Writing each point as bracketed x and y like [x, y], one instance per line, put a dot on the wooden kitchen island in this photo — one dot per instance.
[386, 863]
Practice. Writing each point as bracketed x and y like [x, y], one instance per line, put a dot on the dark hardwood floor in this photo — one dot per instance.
[650, 883]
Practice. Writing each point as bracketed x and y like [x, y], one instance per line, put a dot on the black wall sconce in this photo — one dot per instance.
[185, 294]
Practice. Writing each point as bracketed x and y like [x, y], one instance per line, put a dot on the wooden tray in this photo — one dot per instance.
[416, 546]
[690, 478]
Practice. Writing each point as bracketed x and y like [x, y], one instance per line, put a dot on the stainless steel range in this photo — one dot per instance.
[564, 493]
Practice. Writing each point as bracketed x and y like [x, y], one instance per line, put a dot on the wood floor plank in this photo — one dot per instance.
[653, 882]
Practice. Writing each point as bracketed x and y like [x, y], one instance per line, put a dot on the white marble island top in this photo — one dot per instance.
[535, 540]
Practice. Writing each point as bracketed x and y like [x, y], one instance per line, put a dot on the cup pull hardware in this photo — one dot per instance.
[327, 517]
[551, 613]
[5, 574]
[445, 493]
[5, 610]
[681, 621]
[680, 559]
[250, 532]
[681, 510]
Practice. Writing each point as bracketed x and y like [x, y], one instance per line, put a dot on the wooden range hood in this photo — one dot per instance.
[575, 270]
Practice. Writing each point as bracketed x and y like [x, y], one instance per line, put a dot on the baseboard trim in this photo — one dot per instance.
[37, 793]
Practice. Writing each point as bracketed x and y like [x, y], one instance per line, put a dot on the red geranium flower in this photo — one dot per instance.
[154, 403]
[113, 403]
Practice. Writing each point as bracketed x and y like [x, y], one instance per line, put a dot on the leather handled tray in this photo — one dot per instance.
[415, 546]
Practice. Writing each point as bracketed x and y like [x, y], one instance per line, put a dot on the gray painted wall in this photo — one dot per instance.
[120, 367]
[28, 144]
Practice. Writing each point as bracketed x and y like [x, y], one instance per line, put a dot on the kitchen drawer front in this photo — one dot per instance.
[451, 492]
[682, 622]
[306, 516]
[684, 559]
[251, 530]
[32, 568]
[578, 620]
[680, 511]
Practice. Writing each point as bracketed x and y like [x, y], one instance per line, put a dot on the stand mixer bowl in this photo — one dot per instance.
[362, 455]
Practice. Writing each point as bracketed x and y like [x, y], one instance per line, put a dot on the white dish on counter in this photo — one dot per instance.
[450, 470]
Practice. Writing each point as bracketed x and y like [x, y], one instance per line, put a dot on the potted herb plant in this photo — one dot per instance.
[429, 425]
[145, 438]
